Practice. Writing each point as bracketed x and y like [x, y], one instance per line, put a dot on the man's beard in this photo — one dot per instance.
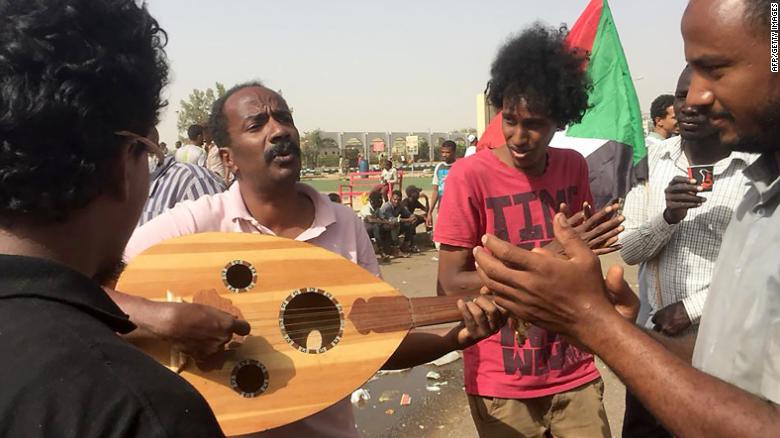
[109, 274]
[767, 140]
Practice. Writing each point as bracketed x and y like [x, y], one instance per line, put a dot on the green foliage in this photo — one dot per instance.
[311, 144]
[423, 149]
[329, 161]
[196, 108]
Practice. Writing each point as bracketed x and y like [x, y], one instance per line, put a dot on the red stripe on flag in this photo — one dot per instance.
[584, 31]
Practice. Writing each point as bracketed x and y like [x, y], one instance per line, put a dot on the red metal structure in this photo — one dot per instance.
[362, 183]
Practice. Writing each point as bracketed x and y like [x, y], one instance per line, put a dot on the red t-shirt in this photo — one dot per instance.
[484, 195]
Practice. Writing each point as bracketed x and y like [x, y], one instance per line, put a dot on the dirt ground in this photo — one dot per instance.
[444, 414]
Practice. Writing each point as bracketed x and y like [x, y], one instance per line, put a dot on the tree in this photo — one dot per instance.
[423, 150]
[196, 109]
[311, 143]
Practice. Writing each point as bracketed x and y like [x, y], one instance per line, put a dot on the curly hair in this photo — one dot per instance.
[659, 106]
[217, 119]
[72, 73]
[538, 67]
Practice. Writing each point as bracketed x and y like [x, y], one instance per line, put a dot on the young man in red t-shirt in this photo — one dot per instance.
[541, 385]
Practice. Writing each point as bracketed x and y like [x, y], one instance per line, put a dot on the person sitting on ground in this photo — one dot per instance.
[412, 203]
[378, 228]
[401, 220]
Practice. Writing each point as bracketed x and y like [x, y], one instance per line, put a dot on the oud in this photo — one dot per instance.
[321, 325]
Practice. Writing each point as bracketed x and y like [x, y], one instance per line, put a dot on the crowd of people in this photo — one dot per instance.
[86, 187]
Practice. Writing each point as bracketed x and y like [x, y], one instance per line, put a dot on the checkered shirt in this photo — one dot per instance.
[680, 258]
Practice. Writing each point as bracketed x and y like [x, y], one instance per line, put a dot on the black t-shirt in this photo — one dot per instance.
[64, 372]
[412, 206]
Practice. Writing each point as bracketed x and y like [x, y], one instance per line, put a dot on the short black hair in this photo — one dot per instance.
[412, 189]
[659, 106]
[72, 74]
[194, 131]
[218, 121]
[334, 197]
[538, 67]
[449, 144]
[375, 195]
[397, 192]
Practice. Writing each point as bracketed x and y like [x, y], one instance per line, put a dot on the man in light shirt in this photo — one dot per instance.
[389, 180]
[261, 145]
[193, 152]
[676, 232]
[471, 149]
[664, 120]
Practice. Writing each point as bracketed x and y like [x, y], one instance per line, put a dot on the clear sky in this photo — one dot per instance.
[382, 65]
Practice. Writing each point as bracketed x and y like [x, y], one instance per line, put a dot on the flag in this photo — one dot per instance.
[610, 135]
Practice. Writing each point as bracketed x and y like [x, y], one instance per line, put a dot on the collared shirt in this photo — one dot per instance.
[335, 228]
[191, 154]
[214, 161]
[739, 337]
[681, 257]
[653, 139]
[174, 182]
[389, 212]
[65, 372]
[413, 206]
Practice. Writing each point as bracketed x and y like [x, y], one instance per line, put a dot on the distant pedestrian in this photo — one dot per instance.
[389, 179]
[472, 148]
[447, 151]
[193, 152]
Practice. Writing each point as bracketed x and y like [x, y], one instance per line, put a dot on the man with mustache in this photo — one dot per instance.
[259, 143]
[733, 387]
[672, 230]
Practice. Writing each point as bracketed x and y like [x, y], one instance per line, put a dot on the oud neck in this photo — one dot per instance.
[388, 314]
[426, 311]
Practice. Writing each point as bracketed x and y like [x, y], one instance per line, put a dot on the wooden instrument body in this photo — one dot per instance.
[299, 383]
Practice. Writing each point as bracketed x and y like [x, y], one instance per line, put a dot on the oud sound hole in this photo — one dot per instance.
[249, 378]
[311, 320]
[239, 276]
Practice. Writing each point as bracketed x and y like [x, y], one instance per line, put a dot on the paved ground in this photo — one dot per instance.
[443, 414]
